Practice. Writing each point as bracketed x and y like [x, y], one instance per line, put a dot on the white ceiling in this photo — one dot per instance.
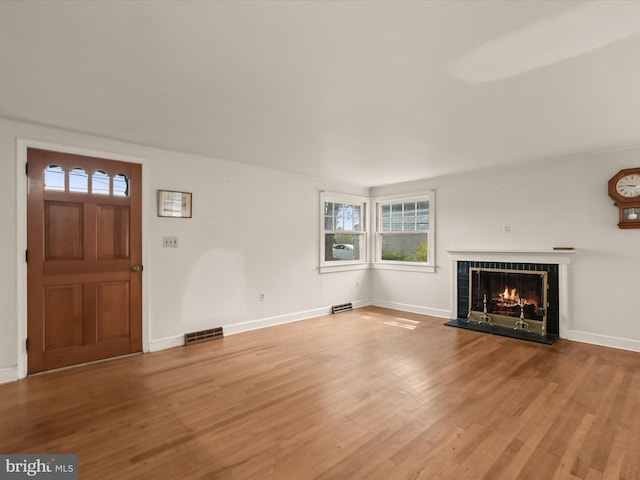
[371, 92]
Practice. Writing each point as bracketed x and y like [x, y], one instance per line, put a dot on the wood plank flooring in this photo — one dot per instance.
[367, 394]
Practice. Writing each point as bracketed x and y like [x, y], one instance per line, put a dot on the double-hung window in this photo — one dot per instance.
[343, 237]
[404, 233]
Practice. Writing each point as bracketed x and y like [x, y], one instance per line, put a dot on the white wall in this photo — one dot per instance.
[556, 202]
[252, 230]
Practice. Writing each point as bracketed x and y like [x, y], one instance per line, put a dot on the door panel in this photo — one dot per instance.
[113, 232]
[64, 232]
[63, 321]
[84, 235]
[113, 316]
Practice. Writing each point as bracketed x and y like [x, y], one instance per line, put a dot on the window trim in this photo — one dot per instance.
[399, 265]
[344, 265]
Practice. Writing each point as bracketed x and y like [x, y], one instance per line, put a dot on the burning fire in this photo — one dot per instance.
[510, 294]
[511, 297]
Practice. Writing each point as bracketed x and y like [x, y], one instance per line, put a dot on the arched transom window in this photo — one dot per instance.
[76, 180]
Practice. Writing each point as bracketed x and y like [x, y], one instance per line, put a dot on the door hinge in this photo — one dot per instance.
[26, 168]
[26, 256]
[26, 344]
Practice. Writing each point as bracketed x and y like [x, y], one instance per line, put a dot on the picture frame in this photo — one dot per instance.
[174, 204]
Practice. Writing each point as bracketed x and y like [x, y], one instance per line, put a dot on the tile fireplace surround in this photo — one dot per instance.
[559, 258]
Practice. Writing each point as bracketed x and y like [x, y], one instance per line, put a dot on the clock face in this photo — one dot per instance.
[629, 185]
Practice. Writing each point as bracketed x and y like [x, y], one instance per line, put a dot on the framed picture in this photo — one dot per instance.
[174, 204]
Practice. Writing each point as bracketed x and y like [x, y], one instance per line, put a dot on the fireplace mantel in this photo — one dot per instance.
[560, 257]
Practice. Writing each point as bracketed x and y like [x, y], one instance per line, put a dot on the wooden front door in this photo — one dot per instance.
[84, 259]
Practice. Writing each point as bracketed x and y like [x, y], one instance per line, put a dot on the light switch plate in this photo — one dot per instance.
[170, 242]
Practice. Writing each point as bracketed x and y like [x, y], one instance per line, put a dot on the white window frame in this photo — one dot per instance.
[429, 265]
[342, 265]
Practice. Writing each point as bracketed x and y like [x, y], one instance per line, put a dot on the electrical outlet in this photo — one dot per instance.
[170, 242]
[506, 228]
[262, 296]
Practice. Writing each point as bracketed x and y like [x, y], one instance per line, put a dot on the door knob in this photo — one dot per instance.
[136, 268]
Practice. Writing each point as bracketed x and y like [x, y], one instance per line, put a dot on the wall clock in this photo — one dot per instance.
[624, 188]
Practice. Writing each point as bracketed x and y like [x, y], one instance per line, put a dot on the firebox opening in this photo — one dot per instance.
[515, 299]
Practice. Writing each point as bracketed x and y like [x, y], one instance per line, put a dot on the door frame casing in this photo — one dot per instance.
[21, 235]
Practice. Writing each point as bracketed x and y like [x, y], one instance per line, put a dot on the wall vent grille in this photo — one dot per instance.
[341, 308]
[203, 336]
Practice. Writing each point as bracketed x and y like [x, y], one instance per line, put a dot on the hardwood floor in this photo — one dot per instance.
[372, 393]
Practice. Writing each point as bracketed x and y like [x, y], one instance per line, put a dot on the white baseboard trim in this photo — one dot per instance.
[8, 374]
[249, 325]
[233, 328]
[604, 340]
[434, 312]
[280, 319]
[277, 320]
[361, 303]
[167, 342]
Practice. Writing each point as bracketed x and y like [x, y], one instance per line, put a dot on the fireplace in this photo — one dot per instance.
[516, 294]
[515, 299]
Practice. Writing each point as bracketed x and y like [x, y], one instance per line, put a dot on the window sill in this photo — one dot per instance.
[344, 267]
[398, 267]
[403, 267]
